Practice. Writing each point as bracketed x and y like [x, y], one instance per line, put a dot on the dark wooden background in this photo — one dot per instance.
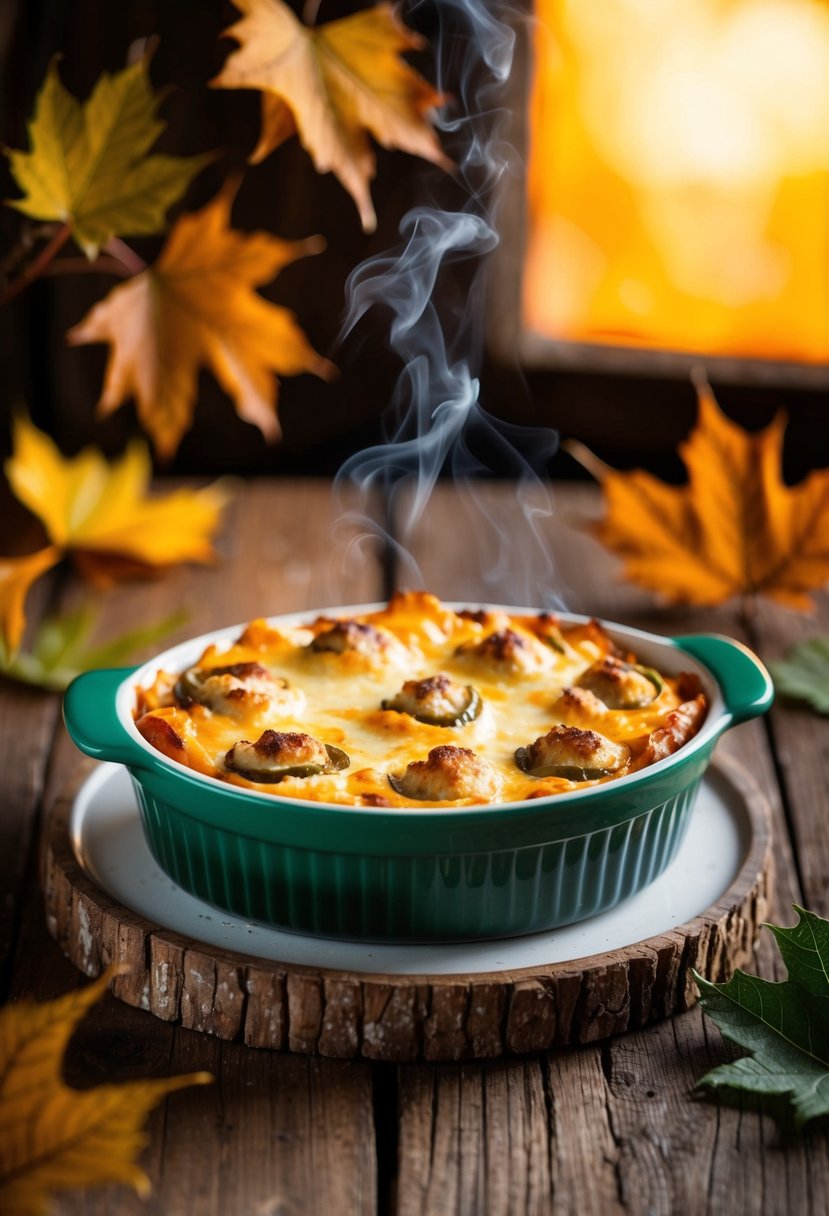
[627, 419]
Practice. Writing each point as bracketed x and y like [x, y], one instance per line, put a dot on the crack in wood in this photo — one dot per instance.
[550, 1121]
[606, 1062]
[386, 1113]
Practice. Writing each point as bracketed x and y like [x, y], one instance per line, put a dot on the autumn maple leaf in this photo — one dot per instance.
[56, 1138]
[334, 85]
[17, 574]
[196, 306]
[736, 528]
[101, 514]
[89, 165]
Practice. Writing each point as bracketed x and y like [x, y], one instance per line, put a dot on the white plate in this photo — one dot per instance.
[109, 843]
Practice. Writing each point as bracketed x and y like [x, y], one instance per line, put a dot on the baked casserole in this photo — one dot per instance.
[416, 704]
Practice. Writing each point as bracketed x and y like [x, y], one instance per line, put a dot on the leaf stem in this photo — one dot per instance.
[121, 252]
[37, 265]
[582, 454]
[29, 236]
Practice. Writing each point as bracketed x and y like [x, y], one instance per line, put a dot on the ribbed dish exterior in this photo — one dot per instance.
[463, 896]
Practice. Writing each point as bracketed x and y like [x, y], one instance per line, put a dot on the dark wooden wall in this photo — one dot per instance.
[625, 419]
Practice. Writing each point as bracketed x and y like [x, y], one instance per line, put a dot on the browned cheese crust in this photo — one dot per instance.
[416, 705]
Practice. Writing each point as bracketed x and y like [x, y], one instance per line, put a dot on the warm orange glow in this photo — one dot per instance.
[679, 176]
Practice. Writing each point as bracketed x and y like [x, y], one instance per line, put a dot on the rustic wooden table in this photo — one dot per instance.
[608, 1129]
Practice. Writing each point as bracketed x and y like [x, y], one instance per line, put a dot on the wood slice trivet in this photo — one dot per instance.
[387, 1017]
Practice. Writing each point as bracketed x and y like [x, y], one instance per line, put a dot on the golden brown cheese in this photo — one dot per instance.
[416, 704]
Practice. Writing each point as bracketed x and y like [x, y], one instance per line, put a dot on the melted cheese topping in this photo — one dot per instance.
[521, 667]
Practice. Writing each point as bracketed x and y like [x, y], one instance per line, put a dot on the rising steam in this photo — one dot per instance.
[435, 423]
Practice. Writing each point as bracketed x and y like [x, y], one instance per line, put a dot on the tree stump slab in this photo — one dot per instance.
[399, 1014]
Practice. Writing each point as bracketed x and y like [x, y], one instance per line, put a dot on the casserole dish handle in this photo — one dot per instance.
[91, 718]
[746, 685]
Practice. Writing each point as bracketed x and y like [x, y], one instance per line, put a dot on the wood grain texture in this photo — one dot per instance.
[628, 1134]
[671, 1146]
[585, 1148]
[28, 722]
[476, 1139]
[597, 1130]
[275, 1134]
[798, 742]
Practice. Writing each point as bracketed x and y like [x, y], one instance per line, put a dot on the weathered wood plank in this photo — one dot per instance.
[625, 1131]
[582, 1135]
[474, 1139]
[680, 1152]
[510, 1137]
[799, 738]
[276, 1134]
[669, 1144]
[656, 1170]
[585, 1131]
[28, 720]
[114, 1043]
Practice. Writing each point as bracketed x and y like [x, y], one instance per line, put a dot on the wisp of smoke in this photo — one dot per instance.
[435, 424]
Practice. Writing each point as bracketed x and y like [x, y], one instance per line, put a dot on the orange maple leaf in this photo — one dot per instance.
[736, 528]
[333, 85]
[56, 1138]
[196, 306]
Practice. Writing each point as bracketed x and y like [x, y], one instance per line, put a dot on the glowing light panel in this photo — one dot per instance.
[679, 176]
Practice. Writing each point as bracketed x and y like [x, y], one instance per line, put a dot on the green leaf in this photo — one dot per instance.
[115, 652]
[804, 673]
[89, 164]
[784, 1025]
[805, 951]
[59, 636]
[60, 649]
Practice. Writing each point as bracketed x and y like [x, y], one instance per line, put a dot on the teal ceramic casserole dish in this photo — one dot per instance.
[426, 874]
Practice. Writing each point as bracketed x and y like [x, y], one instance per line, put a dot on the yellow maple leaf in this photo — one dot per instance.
[92, 507]
[89, 165]
[16, 577]
[56, 1138]
[334, 85]
[196, 306]
[99, 512]
[736, 528]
